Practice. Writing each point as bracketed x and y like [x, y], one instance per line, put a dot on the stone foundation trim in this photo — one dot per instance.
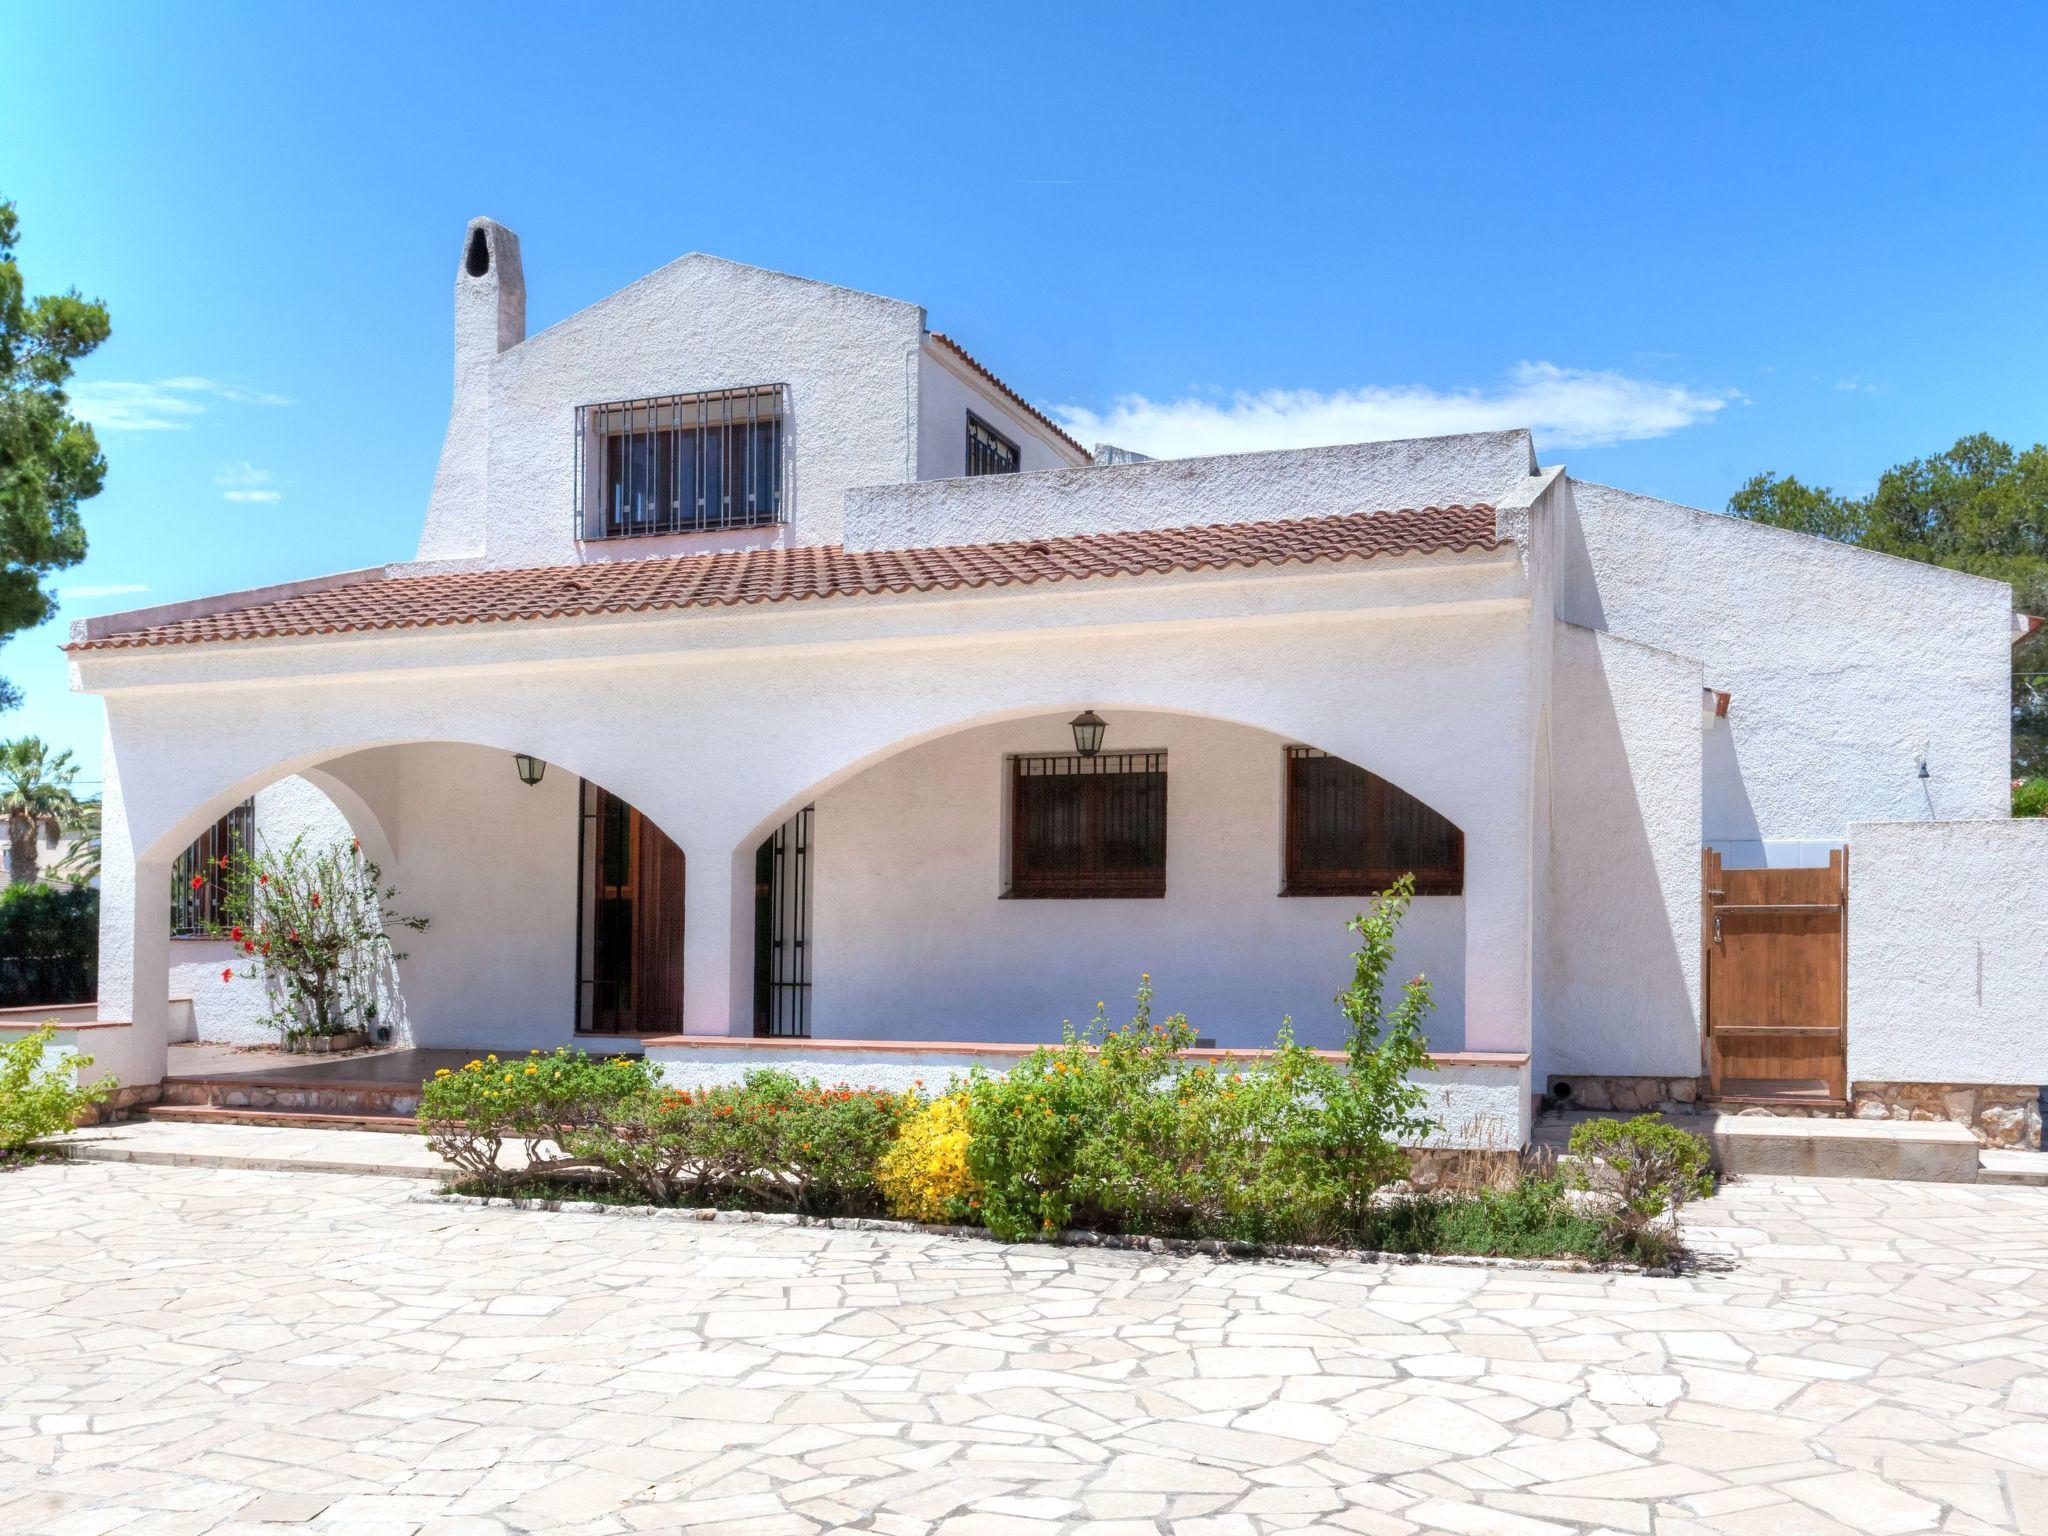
[1999, 1115]
[1214, 1247]
[1625, 1095]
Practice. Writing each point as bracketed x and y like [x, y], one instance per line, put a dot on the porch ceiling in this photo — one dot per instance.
[791, 574]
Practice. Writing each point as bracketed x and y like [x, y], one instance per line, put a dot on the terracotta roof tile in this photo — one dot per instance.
[1010, 394]
[812, 571]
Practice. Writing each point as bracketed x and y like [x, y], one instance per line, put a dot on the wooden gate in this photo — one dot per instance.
[1774, 974]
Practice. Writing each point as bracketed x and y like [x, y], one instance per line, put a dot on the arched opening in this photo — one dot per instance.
[555, 907]
[990, 882]
[477, 262]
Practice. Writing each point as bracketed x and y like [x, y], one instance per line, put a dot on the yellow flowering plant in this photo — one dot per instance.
[924, 1175]
[469, 1113]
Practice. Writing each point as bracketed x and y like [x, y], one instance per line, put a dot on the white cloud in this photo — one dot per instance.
[165, 405]
[1856, 386]
[1564, 407]
[244, 482]
[104, 589]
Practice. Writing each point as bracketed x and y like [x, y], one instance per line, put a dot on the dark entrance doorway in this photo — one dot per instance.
[782, 929]
[630, 930]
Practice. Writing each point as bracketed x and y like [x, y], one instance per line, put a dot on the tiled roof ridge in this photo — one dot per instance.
[794, 573]
[1010, 394]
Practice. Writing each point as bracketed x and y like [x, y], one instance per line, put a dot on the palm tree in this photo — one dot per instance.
[35, 796]
[81, 862]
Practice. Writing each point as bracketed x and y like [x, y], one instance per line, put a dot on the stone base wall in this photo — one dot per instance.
[394, 1099]
[2000, 1116]
[122, 1104]
[1628, 1095]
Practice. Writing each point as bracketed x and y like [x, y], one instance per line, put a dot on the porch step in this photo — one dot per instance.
[301, 1119]
[2000, 1166]
[1818, 1147]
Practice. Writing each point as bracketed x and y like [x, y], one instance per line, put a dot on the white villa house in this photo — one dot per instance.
[774, 685]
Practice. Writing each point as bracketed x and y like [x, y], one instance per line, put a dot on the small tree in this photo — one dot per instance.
[315, 925]
[1374, 1105]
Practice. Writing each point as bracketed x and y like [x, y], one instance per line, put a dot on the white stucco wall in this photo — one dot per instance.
[1948, 952]
[1845, 666]
[1474, 1105]
[946, 392]
[912, 939]
[850, 361]
[1621, 911]
[1480, 467]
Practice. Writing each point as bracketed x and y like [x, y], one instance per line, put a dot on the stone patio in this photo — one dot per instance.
[186, 1349]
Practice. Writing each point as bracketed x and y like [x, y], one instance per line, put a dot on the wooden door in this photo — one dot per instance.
[636, 908]
[1775, 967]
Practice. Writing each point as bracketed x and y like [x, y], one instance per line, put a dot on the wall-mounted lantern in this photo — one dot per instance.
[530, 767]
[1088, 728]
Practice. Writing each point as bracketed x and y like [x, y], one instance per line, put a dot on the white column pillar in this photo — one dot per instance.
[718, 941]
[1499, 945]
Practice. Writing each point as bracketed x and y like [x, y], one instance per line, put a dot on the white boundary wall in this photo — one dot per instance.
[1948, 952]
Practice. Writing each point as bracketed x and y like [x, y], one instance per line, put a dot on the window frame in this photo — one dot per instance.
[701, 413]
[197, 914]
[1377, 868]
[1024, 880]
[1000, 441]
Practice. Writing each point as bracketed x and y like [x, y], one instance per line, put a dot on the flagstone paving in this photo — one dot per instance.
[186, 1350]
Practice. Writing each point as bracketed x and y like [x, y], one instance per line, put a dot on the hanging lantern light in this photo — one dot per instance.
[1088, 728]
[530, 767]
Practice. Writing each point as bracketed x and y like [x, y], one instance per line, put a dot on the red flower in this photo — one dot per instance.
[356, 843]
[263, 879]
[198, 881]
[235, 933]
[316, 898]
[266, 946]
[227, 973]
[295, 935]
[249, 948]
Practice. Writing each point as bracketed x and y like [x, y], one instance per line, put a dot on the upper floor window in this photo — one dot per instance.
[1088, 826]
[988, 451]
[1351, 833]
[199, 880]
[681, 463]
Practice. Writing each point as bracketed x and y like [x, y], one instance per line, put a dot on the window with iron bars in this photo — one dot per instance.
[1088, 827]
[1351, 833]
[988, 451]
[199, 880]
[681, 463]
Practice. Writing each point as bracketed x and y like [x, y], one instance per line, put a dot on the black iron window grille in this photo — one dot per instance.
[682, 463]
[783, 880]
[199, 878]
[988, 451]
[1088, 827]
[1351, 833]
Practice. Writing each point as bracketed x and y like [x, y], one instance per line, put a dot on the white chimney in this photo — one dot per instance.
[490, 315]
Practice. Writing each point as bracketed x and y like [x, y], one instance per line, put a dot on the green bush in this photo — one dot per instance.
[772, 1141]
[2030, 797]
[468, 1113]
[39, 1098]
[1533, 1218]
[1652, 1169]
[49, 945]
[1115, 1128]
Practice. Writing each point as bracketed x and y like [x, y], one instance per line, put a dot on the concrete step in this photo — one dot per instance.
[256, 1148]
[1817, 1147]
[303, 1119]
[1999, 1166]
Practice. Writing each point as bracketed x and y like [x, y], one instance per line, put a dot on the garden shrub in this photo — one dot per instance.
[1532, 1218]
[49, 945]
[771, 1141]
[1114, 1128]
[40, 1097]
[468, 1113]
[924, 1174]
[2030, 797]
[1653, 1169]
[314, 925]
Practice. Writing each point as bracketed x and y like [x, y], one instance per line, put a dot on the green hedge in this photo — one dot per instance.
[49, 945]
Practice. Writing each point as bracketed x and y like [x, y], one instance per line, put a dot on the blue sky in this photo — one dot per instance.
[1683, 244]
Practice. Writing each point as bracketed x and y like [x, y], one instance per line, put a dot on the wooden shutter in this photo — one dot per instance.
[1088, 826]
